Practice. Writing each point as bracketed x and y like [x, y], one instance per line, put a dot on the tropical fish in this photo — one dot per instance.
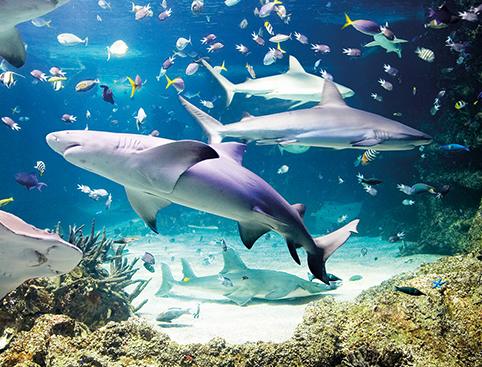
[301, 38]
[354, 52]
[182, 43]
[68, 118]
[37, 74]
[269, 28]
[140, 117]
[119, 48]
[425, 54]
[177, 83]
[40, 167]
[410, 291]
[251, 71]
[242, 49]
[192, 68]
[460, 104]
[364, 26]
[385, 85]
[165, 14]
[107, 94]
[11, 123]
[280, 38]
[173, 313]
[215, 47]
[70, 39]
[41, 22]
[408, 202]
[29, 180]
[86, 85]
[367, 157]
[283, 169]
[454, 148]
[267, 8]
[6, 201]
[324, 49]
[136, 84]
[390, 70]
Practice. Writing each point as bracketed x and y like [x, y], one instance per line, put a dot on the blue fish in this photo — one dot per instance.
[29, 180]
[454, 148]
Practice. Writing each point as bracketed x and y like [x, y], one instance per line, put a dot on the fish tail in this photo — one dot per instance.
[348, 21]
[326, 246]
[108, 53]
[223, 67]
[280, 49]
[277, 2]
[167, 281]
[133, 86]
[86, 41]
[169, 81]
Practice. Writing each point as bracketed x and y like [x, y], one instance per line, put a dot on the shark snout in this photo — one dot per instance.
[61, 141]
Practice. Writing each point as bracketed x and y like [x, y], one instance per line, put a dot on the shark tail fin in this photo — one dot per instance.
[187, 272]
[167, 281]
[211, 126]
[327, 245]
[228, 87]
[348, 21]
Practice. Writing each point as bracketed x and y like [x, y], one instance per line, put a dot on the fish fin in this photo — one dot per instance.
[146, 206]
[251, 232]
[330, 96]
[327, 245]
[12, 48]
[372, 44]
[292, 249]
[348, 21]
[175, 158]
[241, 296]
[233, 150]
[167, 281]
[399, 40]
[369, 142]
[229, 87]
[232, 261]
[187, 272]
[300, 208]
[210, 125]
[133, 86]
[278, 293]
[169, 81]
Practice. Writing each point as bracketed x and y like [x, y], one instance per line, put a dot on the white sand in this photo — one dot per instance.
[259, 321]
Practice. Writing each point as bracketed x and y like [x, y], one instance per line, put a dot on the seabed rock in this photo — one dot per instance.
[381, 327]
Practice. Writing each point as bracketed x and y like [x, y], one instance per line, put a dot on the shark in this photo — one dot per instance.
[294, 85]
[394, 45]
[330, 124]
[243, 283]
[211, 178]
[13, 12]
[27, 252]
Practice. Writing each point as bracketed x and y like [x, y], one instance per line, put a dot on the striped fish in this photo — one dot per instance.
[367, 157]
[40, 166]
[269, 27]
[425, 54]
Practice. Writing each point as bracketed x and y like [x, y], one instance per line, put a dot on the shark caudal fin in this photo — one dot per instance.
[12, 48]
[210, 125]
[229, 87]
[327, 245]
[167, 281]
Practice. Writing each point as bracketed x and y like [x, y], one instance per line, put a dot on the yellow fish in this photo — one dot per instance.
[54, 79]
[280, 49]
[269, 28]
[186, 279]
[221, 68]
[460, 104]
[4, 202]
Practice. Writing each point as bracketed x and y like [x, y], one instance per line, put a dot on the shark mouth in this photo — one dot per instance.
[70, 147]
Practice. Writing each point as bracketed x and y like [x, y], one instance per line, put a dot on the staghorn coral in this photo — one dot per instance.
[381, 328]
[91, 293]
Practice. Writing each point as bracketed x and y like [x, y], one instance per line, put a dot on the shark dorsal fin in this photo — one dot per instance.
[233, 150]
[232, 261]
[187, 272]
[164, 164]
[295, 66]
[330, 96]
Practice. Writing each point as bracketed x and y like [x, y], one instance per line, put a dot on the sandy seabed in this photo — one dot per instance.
[259, 320]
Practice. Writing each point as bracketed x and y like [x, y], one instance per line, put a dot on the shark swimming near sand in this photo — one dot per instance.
[331, 124]
[295, 85]
[241, 284]
[13, 12]
[157, 172]
[27, 252]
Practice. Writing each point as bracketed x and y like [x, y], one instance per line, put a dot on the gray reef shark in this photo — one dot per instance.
[157, 172]
[13, 12]
[27, 252]
[294, 85]
[394, 45]
[331, 124]
[239, 283]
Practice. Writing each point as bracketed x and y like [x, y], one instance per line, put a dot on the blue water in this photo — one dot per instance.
[313, 176]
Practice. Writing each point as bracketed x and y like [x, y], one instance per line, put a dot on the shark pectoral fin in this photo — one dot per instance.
[399, 40]
[370, 142]
[163, 165]
[12, 48]
[241, 296]
[372, 44]
[146, 206]
[232, 261]
[278, 293]
[250, 232]
[233, 150]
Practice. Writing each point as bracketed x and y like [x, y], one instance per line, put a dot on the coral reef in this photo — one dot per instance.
[381, 328]
[92, 293]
